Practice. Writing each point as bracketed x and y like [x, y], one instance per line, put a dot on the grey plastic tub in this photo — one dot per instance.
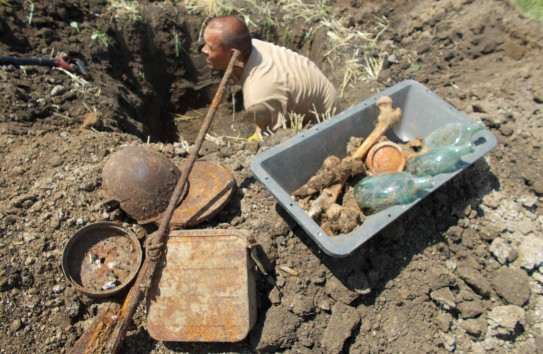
[285, 167]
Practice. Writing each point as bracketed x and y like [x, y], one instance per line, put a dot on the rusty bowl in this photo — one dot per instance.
[142, 180]
[101, 259]
[385, 157]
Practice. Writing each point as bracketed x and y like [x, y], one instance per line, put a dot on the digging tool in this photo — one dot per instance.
[72, 65]
[154, 247]
[387, 118]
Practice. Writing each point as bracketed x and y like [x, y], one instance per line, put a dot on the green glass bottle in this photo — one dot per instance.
[383, 190]
[452, 134]
[438, 161]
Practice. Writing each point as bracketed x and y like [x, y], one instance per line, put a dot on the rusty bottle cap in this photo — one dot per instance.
[385, 157]
[142, 180]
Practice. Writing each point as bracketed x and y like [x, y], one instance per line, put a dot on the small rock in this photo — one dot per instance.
[530, 252]
[528, 201]
[506, 321]
[300, 305]
[538, 277]
[492, 200]
[58, 288]
[15, 325]
[18, 171]
[56, 161]
[444, 297]
[512, 284]
[274, 296]
[538, 187]
[439, 277]
[23, 201]
[278, 331]
[73, 308]
[474, 327]
[29, 237]
[343, 321]
[58, 90]
[503, 251]
[470, 309]
[475, 280]
[507, 129]
[30, 260]
[449, 343]
[340, 292]
[443, 321]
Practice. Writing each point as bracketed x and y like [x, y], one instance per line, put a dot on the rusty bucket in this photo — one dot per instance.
[101, 259]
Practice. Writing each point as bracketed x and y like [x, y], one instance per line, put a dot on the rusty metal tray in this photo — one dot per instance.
[204, 289]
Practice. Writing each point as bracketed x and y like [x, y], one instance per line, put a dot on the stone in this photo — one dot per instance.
[492, 199]
[475, 280]
[512, 284]
[503, 251]
[537, 187]
[24, 201]
[507, 129]
[15, 325]
[449, 343]
[443, 320]
[57, 90]
[475, 327]
[530, 252]
[444, 298]
[470, 309]
[343, 321]
[274, 296]
[277, 332]
[506, 321]
[299, 304]
[56, 161]
[58, 288]
[340, 292]
[439, 277]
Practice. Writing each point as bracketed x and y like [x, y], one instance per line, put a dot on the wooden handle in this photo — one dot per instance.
[154, 242]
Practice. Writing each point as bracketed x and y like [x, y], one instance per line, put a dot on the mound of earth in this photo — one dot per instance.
[461, 271]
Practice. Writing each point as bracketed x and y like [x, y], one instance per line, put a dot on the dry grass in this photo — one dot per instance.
[125, 10]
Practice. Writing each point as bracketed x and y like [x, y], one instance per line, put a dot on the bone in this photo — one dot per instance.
[388, 117]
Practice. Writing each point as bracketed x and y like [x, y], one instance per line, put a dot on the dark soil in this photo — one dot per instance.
[461, 271]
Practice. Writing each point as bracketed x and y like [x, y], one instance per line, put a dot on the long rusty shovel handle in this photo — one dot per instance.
[155, 244]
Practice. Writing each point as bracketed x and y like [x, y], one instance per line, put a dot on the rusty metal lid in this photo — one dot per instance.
[204, 289]
[101, 259]
[211, 186]
[142, 180]
[385, 157]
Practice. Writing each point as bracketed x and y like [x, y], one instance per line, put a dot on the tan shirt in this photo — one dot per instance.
[277, 80]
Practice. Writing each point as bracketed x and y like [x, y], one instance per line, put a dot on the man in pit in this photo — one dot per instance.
[275, 80]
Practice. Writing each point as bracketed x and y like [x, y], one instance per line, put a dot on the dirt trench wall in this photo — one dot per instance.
[144, 68]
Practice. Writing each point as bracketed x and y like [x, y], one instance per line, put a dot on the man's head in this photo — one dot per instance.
[222, 35]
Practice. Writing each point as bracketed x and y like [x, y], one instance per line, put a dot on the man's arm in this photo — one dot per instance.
[266, 116]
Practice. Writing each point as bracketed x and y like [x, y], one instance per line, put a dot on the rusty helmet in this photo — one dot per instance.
[142, 180]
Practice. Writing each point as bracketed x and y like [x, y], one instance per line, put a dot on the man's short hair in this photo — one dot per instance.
[236, 35]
